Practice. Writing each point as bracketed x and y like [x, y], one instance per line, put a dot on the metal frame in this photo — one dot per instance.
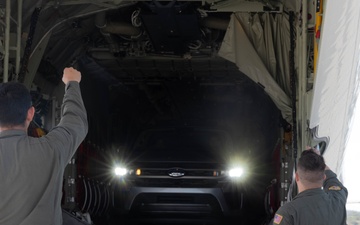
[7, 46]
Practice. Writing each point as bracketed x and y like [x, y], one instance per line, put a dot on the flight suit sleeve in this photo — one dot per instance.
[333, 186]
[66, 137]
[283, 216]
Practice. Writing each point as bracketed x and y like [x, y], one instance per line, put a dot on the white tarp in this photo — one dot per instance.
[336, 81]
[238, 48]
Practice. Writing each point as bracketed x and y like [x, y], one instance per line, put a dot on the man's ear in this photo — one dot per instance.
[324, 176]
[30, 114]
[297, 177]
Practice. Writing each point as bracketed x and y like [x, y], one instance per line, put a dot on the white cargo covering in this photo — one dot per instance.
[238, 48]
[337, 77]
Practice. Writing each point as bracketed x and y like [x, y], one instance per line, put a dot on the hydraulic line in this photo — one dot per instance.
[292, 187]
[27, 51]
[7, 41]
[18, 37]
[293, 84]
[74, 17]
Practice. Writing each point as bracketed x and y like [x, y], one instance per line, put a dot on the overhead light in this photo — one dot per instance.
[236, 172]
[120, 171]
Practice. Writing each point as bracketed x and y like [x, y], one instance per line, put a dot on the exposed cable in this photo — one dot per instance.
[135, 18]
[202, 12]
[194, 45]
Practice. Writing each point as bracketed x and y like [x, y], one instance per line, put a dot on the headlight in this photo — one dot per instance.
[120, 171]
[236, 172]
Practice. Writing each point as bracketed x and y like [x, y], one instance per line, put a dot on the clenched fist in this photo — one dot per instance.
[71, 74]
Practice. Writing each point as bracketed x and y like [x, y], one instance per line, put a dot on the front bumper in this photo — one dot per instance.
[178, 200]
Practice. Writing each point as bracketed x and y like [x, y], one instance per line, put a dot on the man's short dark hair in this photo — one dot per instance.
[15, 100]
[311, 166]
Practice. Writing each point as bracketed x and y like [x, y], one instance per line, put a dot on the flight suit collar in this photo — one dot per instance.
[310, 192]
[11, 133]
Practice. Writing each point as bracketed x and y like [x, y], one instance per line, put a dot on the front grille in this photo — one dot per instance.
[177, 174]
[169, 182]
[188, 172]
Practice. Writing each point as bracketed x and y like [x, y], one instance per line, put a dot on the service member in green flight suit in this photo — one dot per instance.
[321, 199]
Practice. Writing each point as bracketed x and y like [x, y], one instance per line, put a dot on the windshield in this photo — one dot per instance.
[178, 143]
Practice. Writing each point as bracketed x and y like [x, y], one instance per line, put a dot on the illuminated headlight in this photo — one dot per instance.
[236, 172]
[120, 171]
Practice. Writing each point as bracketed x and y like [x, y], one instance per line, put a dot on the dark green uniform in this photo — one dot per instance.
[316, 206]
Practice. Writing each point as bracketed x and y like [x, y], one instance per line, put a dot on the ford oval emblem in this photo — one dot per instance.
[176, 173]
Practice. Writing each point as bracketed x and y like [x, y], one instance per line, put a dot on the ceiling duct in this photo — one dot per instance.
[215, 23]
[118, 27]
[121, 28]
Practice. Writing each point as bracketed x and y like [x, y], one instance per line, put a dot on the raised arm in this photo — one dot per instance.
[73, 126]
[332, 184]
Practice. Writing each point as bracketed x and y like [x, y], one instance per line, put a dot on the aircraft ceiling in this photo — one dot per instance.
[131, 71]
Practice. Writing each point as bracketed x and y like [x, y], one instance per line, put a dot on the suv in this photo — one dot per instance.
[187, 171]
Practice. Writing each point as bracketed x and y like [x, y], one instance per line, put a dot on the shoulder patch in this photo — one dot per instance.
[335, 188]
[278, 218]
